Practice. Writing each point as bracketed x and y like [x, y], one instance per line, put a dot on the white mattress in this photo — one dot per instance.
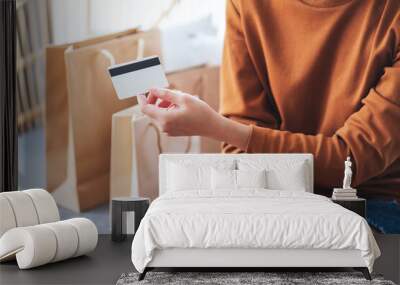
[257, 219]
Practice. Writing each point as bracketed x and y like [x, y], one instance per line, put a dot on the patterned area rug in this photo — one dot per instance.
[243, 278]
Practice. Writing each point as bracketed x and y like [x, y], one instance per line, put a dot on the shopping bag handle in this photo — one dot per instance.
[153, 126]
[108, 55]
[111, 58]
[159, 145]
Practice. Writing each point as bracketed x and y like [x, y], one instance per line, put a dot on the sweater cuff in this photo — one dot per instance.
[256, 141]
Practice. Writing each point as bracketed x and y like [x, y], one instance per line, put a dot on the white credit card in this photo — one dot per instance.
[137, 77]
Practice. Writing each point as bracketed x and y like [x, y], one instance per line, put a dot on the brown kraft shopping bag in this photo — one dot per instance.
[57, 107]
[91, 103]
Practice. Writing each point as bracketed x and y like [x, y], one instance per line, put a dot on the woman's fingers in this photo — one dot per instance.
[154, 112]
[152, 98]
[164, 104]
[166, 95]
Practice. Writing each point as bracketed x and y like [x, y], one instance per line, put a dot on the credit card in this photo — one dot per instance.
[137, 77]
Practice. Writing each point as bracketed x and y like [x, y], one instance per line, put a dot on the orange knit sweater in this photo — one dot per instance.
[320, 77]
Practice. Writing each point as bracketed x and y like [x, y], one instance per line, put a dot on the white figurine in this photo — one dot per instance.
[347, 174]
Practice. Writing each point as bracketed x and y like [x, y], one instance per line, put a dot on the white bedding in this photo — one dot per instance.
[252, 218]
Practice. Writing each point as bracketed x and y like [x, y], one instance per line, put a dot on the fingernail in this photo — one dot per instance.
[141, 100]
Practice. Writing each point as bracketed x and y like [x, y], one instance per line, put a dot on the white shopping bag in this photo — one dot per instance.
[135, 147]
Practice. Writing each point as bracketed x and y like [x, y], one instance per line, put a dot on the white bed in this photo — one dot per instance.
[248, 227]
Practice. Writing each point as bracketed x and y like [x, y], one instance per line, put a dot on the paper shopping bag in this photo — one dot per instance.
[136, 144]
[83, 153]
[57, 107]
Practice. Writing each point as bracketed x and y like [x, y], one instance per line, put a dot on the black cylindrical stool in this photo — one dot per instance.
[119, 207]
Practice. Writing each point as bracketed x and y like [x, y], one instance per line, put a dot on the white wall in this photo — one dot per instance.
[74, 20]
[69, 20]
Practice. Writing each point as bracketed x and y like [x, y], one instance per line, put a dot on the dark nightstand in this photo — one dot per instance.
[357, 205]
[119, 209]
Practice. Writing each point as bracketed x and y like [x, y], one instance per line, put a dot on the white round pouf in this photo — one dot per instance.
[45, 205]
[7, 218]
[87, 234]
[67, 240]
[37, 245]
[33, 246]
[23, 208]
[30, 230]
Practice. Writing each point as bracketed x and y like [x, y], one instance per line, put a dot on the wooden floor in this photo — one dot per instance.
[103, 266]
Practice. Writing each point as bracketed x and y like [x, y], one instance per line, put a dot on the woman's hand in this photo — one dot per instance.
[178, 113]
[181, 114]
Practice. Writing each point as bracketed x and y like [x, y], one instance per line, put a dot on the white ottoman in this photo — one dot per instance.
[31, 232]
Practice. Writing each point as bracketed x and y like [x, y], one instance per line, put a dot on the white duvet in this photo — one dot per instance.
[250, 219]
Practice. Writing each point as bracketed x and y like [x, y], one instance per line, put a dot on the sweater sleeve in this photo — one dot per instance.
[371, 135]
[243, 96]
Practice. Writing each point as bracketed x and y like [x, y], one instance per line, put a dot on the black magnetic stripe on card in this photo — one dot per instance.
[134, 66]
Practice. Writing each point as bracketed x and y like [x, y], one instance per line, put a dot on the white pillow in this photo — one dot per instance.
[236, 179]
[181, 177]
[186, 175]
[251, 178]
[293, 179]
[289, 175]
[223, 179]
